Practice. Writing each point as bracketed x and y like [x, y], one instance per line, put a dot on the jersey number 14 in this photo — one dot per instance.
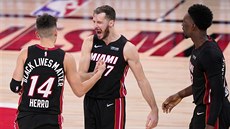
[44, 89]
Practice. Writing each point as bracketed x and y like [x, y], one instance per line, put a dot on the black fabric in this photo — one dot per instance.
[111, 85]
[15, 86]
[102, 113]
[209, 86]
[37, 121]
[198, 120]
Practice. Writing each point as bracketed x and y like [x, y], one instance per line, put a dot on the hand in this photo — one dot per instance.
[170, 103]
[100, 67]
[96, 67]
[209, 127]
[152, 119]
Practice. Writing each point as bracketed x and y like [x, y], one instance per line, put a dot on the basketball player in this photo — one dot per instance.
[207, 68]
[104, 104]
[43, 68]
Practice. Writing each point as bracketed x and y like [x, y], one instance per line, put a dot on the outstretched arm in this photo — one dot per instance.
[132, 57]
[74, 79]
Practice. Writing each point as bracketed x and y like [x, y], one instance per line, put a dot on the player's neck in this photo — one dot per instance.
[47, 42]
[113, 36]
[199, 39]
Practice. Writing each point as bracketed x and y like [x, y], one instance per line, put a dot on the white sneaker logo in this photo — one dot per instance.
[108, 105]
[199, 113]
[97, 46]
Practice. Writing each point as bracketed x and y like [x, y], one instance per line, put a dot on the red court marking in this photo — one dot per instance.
[7, 117]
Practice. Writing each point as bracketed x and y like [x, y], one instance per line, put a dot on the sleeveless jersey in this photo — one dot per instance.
[111, 85]
[43, 81]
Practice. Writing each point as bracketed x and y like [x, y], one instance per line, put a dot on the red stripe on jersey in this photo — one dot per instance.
[119, 113]
[43, 48]
[60, 121]
[61, 99]
[217, 124]
[20, 100]
[207, 97]
[207, 101]
[123, 91]
[207, 115]
[16, 125]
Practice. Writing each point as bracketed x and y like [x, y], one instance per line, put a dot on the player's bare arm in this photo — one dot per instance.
[73, 77]
[85, 58]
[15, 84]
[18, 72]
[132, 57]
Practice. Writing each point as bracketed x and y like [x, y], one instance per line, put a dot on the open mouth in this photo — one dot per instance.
[99, 32]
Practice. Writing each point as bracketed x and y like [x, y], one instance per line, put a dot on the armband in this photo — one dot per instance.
[15, 86]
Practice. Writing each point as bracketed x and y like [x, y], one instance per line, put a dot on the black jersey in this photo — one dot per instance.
[207, 68]
[43, 81]
[111, 85]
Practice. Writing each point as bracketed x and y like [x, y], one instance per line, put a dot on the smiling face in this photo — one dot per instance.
[102, 25]
[187, 26]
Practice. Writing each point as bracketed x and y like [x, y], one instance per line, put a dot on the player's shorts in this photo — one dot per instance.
[104, 113]
[39, 121]
[199, 117]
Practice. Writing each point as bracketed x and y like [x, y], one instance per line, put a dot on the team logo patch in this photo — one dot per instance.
[114, 48]
[59, 8]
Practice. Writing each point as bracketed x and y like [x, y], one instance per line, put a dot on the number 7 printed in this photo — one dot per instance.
[110, 68]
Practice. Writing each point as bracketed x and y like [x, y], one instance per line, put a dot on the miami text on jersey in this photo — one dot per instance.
[106, 58]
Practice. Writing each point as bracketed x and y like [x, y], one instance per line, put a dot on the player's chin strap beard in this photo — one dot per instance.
[106, 33]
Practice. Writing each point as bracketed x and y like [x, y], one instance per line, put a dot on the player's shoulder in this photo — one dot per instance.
[211, 47]
[23, 53]
[89, 39]
[129, 45]
[24, 50]
[130, 51]
[211, 51]
[68, 57]
[69, 61]
[87, 43]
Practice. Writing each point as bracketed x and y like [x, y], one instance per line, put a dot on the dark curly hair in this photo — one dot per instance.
[201, 15]
[46, 21]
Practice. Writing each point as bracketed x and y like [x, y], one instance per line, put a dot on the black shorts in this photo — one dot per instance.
[39, 121]
[104, 113]
[199, 117]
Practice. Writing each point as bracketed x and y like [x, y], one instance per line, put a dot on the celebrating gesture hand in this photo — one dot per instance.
[100, 67]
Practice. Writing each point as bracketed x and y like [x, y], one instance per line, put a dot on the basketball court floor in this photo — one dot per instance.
[154, 26]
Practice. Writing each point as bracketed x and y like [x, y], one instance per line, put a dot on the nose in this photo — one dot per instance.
[95, 25]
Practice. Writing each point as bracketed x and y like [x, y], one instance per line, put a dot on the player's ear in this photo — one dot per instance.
[37, 34]
[55, 32]
[111, 23]
[194, 26]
